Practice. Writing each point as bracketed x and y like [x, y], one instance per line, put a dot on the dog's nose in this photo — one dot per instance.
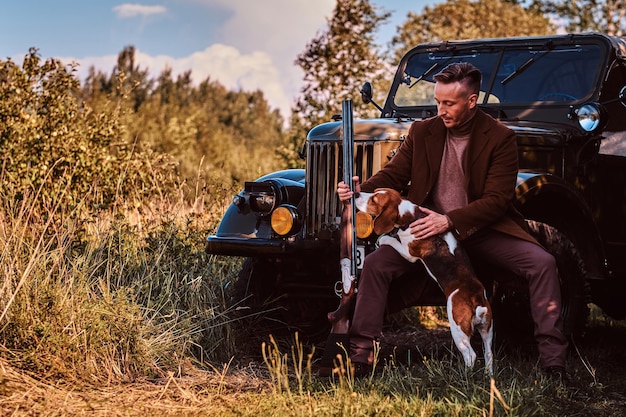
[356, 195]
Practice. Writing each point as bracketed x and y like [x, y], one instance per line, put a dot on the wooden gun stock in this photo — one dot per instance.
[340, 318]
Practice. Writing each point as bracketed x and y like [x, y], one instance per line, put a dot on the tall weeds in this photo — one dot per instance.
[114, 296]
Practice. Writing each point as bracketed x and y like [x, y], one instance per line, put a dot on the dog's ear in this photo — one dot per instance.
[382, 226]
[386, 219]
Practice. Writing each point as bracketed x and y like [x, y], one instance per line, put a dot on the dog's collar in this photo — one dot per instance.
[395, 230]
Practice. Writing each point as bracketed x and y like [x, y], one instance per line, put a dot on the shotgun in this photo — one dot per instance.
[338, 340]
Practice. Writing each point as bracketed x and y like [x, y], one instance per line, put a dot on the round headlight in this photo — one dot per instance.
[364, 225]
[591, 117]
[285, 220]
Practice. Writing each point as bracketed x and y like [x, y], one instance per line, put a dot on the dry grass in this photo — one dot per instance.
[115, 296]
[125, 315]
[197, 393]
[436, 385]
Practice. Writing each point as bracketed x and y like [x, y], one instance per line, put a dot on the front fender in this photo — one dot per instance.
[242, 232]
[549, 199]
[296, 175]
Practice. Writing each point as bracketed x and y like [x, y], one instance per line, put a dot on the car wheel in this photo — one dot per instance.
[573, 276]
[267, 302]
[511, 303]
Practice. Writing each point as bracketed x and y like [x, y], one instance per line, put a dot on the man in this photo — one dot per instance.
[462, 164]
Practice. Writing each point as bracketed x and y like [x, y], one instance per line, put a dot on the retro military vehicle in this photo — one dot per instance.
[565, 98]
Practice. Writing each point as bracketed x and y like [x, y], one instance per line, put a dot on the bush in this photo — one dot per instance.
[53, 142]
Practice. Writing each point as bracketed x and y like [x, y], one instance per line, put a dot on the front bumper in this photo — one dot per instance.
[242, 246]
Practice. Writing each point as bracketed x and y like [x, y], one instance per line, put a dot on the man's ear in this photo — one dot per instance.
[473, 100]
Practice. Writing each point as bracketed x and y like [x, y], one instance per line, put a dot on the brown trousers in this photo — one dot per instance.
[521, 257]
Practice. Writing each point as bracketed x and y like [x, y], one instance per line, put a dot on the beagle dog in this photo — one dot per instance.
[444, 260]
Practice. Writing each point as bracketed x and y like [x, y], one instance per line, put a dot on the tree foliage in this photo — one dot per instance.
[337, 62]
[215, 135]
[127, 135]
[586, 15]
[53, 143]
[468, 19]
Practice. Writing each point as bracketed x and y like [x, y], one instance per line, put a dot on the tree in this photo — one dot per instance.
[214, 135]
[467, 19]
[335, 65]
[125, 79]
[586, 15]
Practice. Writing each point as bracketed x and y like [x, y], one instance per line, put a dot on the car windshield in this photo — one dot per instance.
[512, 74]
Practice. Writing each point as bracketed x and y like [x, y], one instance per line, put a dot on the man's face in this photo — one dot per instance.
[454, 103]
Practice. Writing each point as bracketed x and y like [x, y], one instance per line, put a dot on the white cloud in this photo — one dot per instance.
[234, 70]
[283, 34]
[128, 10]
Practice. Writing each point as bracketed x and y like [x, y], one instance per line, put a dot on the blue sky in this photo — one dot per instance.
[244, 44]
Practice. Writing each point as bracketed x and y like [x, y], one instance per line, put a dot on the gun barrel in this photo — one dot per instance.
[348, 172]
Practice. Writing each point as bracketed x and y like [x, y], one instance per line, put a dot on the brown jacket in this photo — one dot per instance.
[491, 174]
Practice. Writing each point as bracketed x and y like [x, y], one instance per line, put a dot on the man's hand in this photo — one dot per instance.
[430, 225]
[343, 189]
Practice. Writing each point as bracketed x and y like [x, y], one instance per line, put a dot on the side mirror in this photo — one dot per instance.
[367, 92]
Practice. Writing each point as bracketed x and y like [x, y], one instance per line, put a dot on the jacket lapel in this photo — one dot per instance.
[478, 141]
[434, 144]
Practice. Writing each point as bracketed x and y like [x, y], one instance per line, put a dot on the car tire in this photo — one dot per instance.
[511, 304]
[267, 304]
[574, 278]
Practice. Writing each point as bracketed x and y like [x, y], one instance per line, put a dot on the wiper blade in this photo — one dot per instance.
[454, 54]
[425, 74]
[527, 64]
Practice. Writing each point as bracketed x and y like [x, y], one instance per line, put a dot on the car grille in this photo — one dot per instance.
[323, 172]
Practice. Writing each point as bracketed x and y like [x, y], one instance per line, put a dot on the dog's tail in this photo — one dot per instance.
[481, 315]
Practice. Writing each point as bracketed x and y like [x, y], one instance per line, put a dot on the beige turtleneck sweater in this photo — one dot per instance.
[449, 192]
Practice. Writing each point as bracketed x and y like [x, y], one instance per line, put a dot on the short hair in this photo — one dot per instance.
[462, 72]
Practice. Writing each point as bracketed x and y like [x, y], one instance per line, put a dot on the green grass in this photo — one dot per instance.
[439, 384]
